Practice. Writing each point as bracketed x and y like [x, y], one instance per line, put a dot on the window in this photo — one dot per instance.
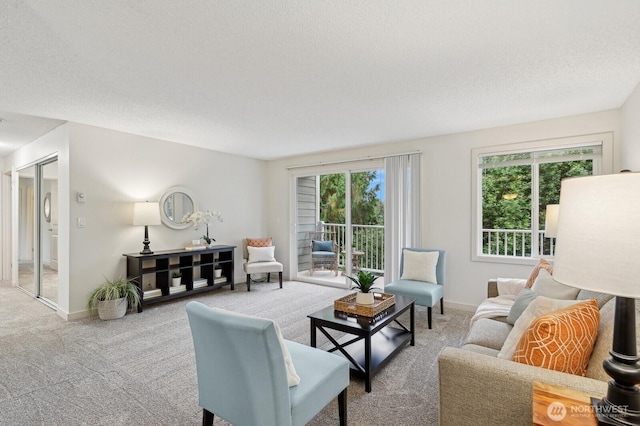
[513, 186]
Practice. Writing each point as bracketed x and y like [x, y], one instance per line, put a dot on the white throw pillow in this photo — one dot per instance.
[292, 376]
[541, 305]
[420, 266]
[545, 285]
[261, 254]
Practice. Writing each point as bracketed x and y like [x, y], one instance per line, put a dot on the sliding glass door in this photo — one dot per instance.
[347, 209]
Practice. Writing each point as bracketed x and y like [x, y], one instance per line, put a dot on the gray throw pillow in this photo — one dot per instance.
[523, 299]
[601, 298]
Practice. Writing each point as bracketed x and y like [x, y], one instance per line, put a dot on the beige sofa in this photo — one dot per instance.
[477, 388]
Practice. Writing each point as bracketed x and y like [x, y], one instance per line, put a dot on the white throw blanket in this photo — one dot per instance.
[510, 286]
[500, 306]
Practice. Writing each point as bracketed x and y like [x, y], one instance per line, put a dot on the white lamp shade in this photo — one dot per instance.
[598, 245]
[551, 220]
[146, 213]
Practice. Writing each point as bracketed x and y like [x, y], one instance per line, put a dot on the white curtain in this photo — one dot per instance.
[402, 217]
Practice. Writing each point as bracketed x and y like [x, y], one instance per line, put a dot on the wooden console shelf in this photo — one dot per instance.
[196, 266]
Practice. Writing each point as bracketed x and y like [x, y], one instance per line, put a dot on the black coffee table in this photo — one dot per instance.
[376, 341]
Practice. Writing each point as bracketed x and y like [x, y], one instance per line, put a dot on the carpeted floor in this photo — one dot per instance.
[139, 370]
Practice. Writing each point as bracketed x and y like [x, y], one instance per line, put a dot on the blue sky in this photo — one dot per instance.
[379, 179]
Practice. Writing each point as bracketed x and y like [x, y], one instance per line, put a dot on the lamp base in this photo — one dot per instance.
[146, 242]
[614, 415]
[621, 406]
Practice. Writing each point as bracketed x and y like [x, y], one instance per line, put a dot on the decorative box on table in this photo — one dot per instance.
[381, 302]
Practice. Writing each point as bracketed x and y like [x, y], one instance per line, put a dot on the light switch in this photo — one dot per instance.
[82, 222]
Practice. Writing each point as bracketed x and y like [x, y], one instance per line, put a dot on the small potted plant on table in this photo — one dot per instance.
[113, 297]
[364, 281]
[217, 272]
[176, 278]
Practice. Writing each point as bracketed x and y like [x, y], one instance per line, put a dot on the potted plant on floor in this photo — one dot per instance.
[364, 281]
[113, 297]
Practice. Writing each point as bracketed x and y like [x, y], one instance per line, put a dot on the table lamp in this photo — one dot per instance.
[146, 214]
[598, 249]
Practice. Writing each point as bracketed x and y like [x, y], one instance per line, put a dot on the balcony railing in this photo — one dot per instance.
[515, 243]
[368, 239]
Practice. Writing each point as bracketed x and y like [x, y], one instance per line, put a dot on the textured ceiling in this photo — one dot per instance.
[274, 78]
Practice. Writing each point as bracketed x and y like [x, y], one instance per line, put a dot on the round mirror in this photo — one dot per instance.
[175, 203]
[47, 207]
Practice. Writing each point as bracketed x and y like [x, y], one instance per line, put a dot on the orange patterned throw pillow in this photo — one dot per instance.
[543, 264]
[259, 242]
[562, 340]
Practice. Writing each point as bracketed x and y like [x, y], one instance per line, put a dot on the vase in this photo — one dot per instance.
[217, 273]
[175, 282]
[364, 298]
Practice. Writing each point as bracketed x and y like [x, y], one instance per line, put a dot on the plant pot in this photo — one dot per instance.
[364, 298]
[112, 309]
[217, 273]
[175, 282]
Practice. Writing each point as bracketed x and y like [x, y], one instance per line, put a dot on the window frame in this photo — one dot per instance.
[604, 166]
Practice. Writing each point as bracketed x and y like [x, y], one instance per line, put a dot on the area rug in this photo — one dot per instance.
[140, 369]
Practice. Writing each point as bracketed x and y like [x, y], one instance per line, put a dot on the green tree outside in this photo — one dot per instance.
[366, 209]
[507, 199]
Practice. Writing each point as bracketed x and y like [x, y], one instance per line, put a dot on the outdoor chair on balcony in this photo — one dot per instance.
[421, 278]
[324, 251]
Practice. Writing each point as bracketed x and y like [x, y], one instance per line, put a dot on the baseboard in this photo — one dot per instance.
[76, 315]
[460, 306]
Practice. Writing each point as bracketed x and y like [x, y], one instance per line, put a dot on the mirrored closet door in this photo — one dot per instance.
[37, 233]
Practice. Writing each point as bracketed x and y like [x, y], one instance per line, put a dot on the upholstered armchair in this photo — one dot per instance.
[249, 375]
[324, 251]
[260, 259]
[421, 277]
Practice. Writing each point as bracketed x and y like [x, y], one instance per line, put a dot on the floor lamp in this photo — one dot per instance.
[598, 249]
[146, 214]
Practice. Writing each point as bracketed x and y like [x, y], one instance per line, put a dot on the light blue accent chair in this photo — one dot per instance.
[242, 375]
[426, 294]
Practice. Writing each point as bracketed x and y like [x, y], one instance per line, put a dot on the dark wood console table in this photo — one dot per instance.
[196, 266]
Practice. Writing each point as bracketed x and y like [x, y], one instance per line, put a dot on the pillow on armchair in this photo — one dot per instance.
[321, 245]
[420, 266]
[261, 254]
[259, 242]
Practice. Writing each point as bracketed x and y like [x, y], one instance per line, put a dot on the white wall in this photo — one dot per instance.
[116, 169]
[446, 179]
[630, 113]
